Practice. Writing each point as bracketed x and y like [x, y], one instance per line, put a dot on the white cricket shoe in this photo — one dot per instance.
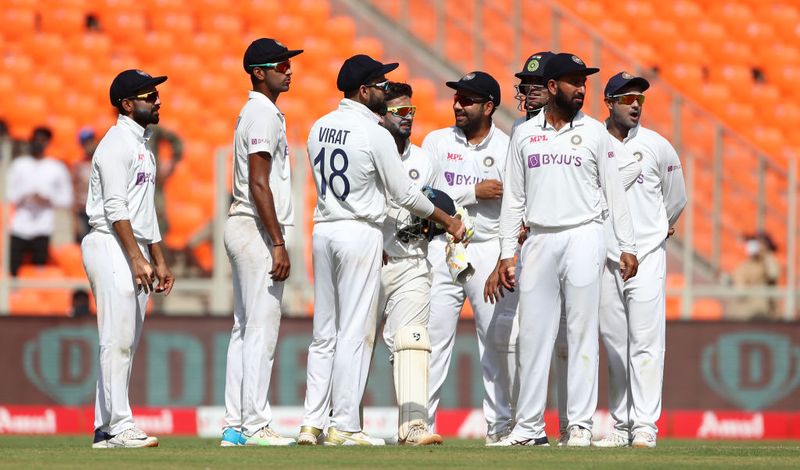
[266, 436]
[514, 440]
[309, 436]
[613, 440]
[132, 438]
[499, 436]
[335, 437]
[418, 435]
[579, 437]
[644, 439]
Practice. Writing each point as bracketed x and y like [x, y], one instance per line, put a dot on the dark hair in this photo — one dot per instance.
[42, 130]
[398, 89]
[3, 127]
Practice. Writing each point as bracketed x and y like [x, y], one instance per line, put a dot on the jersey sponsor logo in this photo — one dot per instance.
[610, 154]
[454, 156]
[256, 141]
[488, 161]
[413, 174]
[140, 157]
[537, 160]
[145, 177]
[537, 138]
[457, 179]
[576, 140]
[673, 168]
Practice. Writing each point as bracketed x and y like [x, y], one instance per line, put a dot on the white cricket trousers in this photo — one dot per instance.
[347, 257]
[120, 318]
[632, 325]
[256, 321]
[447, 298]
[559, 264]
[405, 297]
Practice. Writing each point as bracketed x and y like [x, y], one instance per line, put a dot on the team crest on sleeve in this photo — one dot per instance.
[576, 140]
[488, 162]
[637, 156]
[413, 174]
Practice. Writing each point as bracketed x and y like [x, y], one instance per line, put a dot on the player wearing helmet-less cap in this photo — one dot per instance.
[119, 250]
[632, 312]
[254, 241]
[354, 161]
[560, 167]
[406, 279]
[471, 156]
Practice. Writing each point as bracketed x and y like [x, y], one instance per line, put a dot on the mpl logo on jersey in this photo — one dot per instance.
[752, 369]
[457, 179]
[454, 156]
[537, 160]
[537, 138]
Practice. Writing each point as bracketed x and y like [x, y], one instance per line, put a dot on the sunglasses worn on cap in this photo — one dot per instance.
[383, 86]
[465, 101]
[150, 97]
[402, 111]
[628, 98]
[280, 67]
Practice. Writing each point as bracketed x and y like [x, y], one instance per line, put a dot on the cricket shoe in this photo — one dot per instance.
[309, 436]
[418, 435]
[644, 439]
[498, 436]
[514, 440]
[232, 438]
[579, 437]
[132, 438]
[266, 436]
[100, 439]
[613, 440]
[342, 438]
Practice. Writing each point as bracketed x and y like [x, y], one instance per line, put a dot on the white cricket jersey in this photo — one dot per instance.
[658, 196]
[463, 165]
[355, 165]
[28, 176]
[558, 179]
[418, 165]
[123, 182]
[261, 127]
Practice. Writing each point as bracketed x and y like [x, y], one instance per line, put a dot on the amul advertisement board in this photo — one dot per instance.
[181, 363]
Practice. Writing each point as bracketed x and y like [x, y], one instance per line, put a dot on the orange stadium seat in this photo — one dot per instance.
[707, 309]
[63, 21]
[69, 259]
[17, 22]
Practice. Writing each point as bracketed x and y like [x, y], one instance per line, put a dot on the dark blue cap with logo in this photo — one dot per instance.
[266, 51]
[481, 83]
[360, 70]
[564, 64]
[623, 79]
[534, 66]
[130, 82]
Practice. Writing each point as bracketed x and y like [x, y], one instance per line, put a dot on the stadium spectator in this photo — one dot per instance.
[80, 182]
[36, 185]
[760, 269]
[80, 304]
[165, 168]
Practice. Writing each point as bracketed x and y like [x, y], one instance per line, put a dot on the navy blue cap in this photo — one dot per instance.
[534, 66]
[130, 82]
[564, 64]
[481, 83]
[360, 70]
[85, 134]
[622, 79]
[266, 51]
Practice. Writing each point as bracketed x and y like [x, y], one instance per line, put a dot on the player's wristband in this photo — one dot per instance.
[279, 244]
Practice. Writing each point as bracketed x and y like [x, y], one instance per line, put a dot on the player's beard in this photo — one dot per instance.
[145, 117]
[397, 131]
[377, 103]
[566, 103]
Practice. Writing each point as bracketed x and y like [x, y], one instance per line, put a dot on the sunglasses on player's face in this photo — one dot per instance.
[280, 67]
[383, 86]
[465, 101]
[629, 98]
[407, 111]
[150, 96]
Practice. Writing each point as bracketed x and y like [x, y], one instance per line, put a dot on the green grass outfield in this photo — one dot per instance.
[25, 452]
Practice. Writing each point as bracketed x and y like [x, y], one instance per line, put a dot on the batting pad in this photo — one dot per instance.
[412, 350]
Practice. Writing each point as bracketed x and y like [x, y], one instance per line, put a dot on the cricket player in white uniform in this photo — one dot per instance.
[632, 313]
[355, 163]
[122, 254]
[254, 240]
[405, 297]
[560, 166]
[471, 157]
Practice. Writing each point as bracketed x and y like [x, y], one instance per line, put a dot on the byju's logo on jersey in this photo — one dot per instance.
[142, 178]
[256, 141]
[536, 160]
[455, 179]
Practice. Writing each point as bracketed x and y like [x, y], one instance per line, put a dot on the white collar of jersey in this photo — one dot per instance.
[541, 121]
[632, 133]
[463, 139]
[351, 105]
[258, 96]
[406, 151]
[140, 132]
